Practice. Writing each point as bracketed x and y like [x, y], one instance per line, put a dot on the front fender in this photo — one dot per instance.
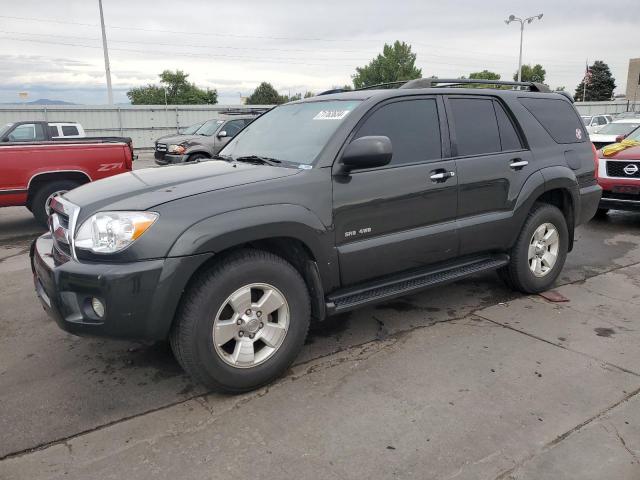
[226, 230]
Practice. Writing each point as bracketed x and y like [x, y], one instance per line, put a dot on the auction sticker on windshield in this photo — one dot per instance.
[331, 114]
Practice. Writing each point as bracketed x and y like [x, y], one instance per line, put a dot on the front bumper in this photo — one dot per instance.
[170, 158]
[140, 298]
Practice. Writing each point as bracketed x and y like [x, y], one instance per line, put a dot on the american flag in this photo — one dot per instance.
[587, 74]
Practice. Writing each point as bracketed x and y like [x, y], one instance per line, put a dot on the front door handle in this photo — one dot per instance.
[518, 164]
[441, 176]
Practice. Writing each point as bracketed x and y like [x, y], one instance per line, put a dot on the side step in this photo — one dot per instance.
[397, 286]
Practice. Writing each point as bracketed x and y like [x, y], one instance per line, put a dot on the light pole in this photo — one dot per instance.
[513, 18]
[107, 69]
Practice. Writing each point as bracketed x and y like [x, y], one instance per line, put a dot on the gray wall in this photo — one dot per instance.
[143, 123]
[614, 106]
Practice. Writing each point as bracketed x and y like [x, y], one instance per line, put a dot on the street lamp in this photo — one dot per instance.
[513, 18]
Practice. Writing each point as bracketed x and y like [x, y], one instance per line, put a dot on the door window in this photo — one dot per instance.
[509, 139]
[27, 132]
[476, 126]
[411, 125]
[233, 127]
[53, 130]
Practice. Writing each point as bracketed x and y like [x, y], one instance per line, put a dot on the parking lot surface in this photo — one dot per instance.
[466, 381]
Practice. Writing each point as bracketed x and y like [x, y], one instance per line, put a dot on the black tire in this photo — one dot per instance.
[38, 205]
[191, 335]
[517, 274]
[197, 157]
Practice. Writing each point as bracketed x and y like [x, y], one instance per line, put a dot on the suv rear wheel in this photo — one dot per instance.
[540, 251]
[243, 322]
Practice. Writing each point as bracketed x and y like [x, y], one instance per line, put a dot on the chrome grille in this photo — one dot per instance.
[62, 223]
[161, 147]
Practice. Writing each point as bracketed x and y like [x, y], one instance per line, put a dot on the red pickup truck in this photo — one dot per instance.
[618, 174]
[35, 172]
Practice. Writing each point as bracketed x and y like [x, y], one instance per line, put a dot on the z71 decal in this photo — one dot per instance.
[106, 167]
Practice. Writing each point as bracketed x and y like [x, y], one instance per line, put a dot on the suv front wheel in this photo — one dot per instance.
[242, 322]
[540, 251]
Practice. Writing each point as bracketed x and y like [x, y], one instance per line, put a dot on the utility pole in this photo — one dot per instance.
[107, 69]
[513, 18]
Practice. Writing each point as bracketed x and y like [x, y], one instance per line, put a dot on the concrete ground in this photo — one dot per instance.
[467, 381]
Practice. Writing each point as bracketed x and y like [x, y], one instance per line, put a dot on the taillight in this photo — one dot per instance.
[129, 161]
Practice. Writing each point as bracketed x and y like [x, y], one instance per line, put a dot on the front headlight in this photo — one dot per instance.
[176, 149]
[110, 232]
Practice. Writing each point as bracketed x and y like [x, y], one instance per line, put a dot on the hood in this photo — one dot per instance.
[631, 153]
[178, 139]
[144, 189]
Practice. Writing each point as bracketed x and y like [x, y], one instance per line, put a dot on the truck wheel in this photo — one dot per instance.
[44, 195]
[242, 322]
[540, 251]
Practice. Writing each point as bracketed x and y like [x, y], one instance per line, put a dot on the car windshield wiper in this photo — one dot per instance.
[259, 160]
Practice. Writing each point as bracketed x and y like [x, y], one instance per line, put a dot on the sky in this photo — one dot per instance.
[54, 49]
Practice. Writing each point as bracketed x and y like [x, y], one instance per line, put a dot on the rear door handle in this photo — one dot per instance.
[517, 164]
[441, 176]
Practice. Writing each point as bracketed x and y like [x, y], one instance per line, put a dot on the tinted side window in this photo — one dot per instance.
[557, 117]
[411, 125]
[233, 127]
[68, 130]
[53, 130]
[476, 126]
[508, 136]
[27, 132]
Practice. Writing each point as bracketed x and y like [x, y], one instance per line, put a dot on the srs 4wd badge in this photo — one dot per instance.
[355, 233]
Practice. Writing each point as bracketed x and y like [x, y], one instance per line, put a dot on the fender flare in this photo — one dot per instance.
[237, 227]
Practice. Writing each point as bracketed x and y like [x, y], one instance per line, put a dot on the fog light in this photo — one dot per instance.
[98, 307]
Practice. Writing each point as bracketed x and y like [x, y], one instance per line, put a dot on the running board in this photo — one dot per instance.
[397, 286]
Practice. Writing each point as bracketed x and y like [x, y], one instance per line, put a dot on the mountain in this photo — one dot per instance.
[40, 101]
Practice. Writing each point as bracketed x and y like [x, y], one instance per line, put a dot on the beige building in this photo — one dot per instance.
[633, 80]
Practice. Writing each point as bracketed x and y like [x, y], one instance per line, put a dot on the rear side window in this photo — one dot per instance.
[69, 130]
[557, 117]
[509, 138]
[411, 125]
[53, 130]
[476, 126]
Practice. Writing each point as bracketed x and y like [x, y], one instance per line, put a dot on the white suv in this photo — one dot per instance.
[66, 130]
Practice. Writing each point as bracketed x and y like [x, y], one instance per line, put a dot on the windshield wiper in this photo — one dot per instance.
[259, 160]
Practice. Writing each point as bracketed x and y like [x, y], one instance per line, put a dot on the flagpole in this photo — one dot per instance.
[584, 82]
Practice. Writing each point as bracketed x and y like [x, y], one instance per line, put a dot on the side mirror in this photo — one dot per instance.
[367, 152]
[619, 138]
[222, 134]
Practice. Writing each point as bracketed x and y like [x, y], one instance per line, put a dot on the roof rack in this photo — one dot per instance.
[450, 82]
[455, 82]
[245, 111]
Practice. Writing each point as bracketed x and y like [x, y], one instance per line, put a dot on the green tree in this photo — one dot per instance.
[308, 94]
[265, 94]
[395, 63]
[532, 74]
[600, 84]
[175, 89]
[483, 75]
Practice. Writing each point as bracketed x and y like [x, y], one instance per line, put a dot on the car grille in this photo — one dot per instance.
[61, 225]
[623, 169]
[161, 147]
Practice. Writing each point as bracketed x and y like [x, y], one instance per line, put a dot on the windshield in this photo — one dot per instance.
[5, 128]
[618, 128]
[191, 129]
[635, 135]
[586, 120]
[209, 128]
[293, 133]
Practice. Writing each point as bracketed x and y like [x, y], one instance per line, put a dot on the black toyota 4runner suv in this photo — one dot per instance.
[320, 206]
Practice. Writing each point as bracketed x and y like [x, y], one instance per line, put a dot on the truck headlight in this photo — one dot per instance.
[179, 149]
[110, 232]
